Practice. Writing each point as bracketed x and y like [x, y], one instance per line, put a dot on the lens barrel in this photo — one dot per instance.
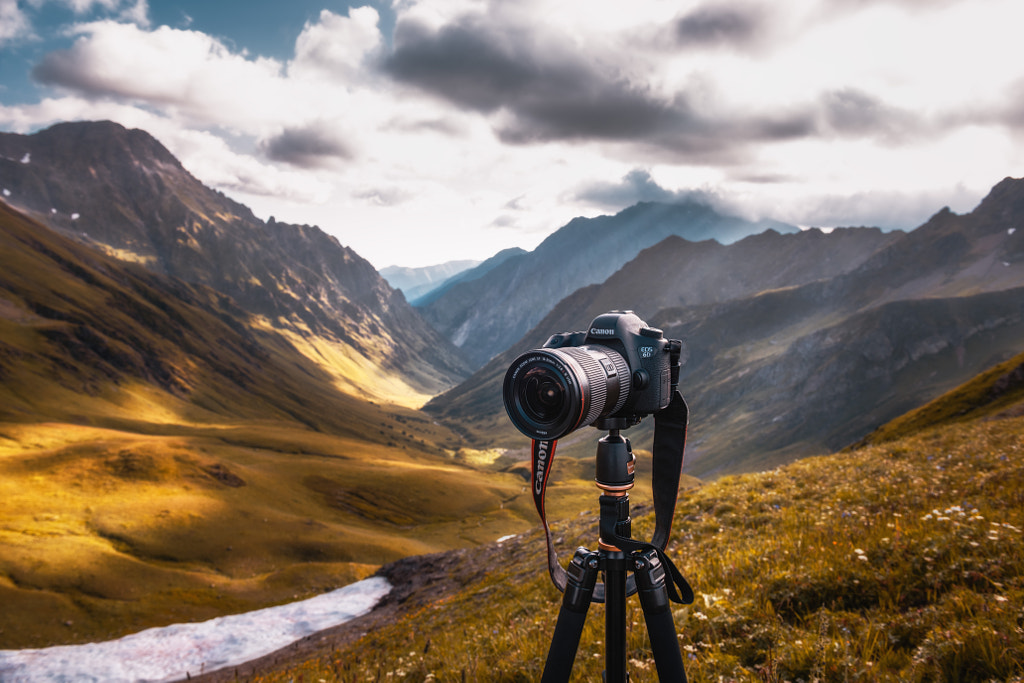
[549, 393]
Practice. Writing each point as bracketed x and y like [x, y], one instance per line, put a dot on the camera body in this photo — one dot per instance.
[619, 369]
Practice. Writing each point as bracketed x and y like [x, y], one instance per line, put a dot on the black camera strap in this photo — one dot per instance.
[669, 444]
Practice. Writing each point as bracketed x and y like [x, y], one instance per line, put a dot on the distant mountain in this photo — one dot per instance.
[782, 368]
[485, 317]
[468, 275]
[121, 191]
[415, 282]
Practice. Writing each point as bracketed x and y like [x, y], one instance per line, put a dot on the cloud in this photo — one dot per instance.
[314, 146]
[854, 113]
[335, 47]
[188, 71]
[887, 209]
[534, 91]
[720, 26]
[635, 186]
[14, 23]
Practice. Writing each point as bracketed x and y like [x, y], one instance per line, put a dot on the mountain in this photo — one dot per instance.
[122, 192]
[783, 369]
[416, 282]
[996, 393]
[467, 276]
[484, 317]
[163, 459]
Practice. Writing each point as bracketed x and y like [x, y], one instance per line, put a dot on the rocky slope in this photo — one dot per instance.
[121, 191]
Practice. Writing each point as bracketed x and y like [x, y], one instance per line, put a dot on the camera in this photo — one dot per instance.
[617, 371]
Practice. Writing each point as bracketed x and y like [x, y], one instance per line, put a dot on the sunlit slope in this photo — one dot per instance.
[162, 461]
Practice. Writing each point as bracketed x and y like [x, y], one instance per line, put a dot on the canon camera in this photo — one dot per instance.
[620, 369]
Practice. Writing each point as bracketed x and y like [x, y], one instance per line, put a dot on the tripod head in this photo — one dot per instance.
[616, 464]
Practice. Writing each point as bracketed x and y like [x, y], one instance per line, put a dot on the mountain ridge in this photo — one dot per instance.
[485, 316]
[121, 191]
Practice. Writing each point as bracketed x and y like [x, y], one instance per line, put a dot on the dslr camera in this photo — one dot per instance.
[617, 371]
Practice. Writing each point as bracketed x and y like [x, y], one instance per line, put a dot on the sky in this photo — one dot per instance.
[422, 131]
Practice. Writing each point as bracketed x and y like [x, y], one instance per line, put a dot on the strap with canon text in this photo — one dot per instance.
[669, 445]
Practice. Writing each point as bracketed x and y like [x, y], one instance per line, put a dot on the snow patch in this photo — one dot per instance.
[1011, 231]
[173, 653]
[27, 158]
[75, 216]
[7, 193]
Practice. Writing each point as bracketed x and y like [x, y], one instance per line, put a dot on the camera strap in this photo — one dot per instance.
[669, 445]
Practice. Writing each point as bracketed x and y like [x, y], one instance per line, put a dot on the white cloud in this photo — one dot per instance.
[335, 47]
[809, 111]
[185, 72]
[14, 23]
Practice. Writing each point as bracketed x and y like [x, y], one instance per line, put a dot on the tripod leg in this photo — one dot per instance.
[650, 582]
[616, 565]
[582, 577]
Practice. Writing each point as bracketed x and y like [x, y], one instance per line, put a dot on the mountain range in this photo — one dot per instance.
[415, 282]
[483, 317]
[799, 343]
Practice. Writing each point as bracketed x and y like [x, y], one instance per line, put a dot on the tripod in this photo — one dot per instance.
[615, 471]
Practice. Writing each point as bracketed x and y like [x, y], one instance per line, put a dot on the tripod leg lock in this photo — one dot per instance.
[650, 582]
[582, 577]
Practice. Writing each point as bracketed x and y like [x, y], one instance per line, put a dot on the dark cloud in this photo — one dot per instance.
[73, 68]
[538, 91]
[720, 25]
[466, 62]
[850, 112]
[310, 147]
[638, 186]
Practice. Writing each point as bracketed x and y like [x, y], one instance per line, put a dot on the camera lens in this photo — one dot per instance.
[551, 392]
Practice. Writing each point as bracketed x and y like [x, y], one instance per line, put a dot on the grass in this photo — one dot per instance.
[897, 562]
[106, 531]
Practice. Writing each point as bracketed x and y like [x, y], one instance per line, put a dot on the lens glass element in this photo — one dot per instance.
[543, 394]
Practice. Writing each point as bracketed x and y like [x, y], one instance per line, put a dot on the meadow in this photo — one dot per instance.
[898, 561]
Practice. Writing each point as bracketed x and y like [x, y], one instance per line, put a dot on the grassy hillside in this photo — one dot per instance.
[902, 561]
